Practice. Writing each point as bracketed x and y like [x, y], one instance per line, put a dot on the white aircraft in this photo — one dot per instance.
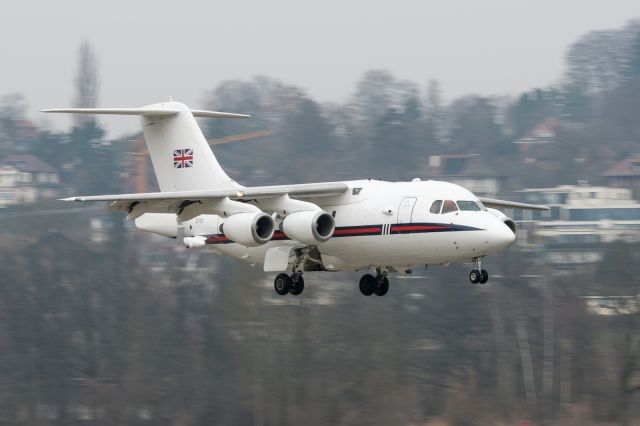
[352, 225]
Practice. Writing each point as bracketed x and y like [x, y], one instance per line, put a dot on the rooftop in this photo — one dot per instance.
[467, 165]
[27, 163]
[630, 166]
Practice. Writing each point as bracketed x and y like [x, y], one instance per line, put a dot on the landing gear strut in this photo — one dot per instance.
[378, 285]
[478, 275]
[306, 260]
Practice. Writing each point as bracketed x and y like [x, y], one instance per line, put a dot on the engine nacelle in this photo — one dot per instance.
[249, 229]
[309, 227]
[504, 218]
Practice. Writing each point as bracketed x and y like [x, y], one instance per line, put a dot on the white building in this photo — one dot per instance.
[581, 218]
[9, 178]
[25, 178]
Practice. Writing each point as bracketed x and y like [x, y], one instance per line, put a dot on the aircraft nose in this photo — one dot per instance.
[504, 236]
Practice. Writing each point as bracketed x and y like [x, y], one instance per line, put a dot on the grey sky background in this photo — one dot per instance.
[148, 50]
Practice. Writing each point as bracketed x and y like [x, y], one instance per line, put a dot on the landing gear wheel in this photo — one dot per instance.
[475, 276]
[382, 287]
[484, 277]
[368, 284]
[282, 284]
[297, 286]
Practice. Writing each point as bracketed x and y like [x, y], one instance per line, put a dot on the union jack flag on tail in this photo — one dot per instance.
[183, 158]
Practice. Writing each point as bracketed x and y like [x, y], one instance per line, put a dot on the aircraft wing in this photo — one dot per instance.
[174, 202]
[498, 204]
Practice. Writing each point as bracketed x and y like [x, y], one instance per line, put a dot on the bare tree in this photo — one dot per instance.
[86, 82]
[435, 111]
[12, 110]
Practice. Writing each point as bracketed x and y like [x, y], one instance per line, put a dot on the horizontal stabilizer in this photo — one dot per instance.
[115, 111]
[216, 114]
[149, 112]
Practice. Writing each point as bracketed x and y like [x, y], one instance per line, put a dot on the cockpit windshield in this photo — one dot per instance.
[449, 206]
[435, 207]
[468, 206]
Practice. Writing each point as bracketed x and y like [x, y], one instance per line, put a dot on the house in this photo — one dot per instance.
[544, 132]
[534, 146]
[25, 178]
[625, 174]
[464, 170]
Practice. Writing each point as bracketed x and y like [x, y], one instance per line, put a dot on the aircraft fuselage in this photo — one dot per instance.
[377, 223]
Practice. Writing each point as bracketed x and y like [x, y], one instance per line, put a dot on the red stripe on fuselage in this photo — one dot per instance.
[217, 239]
[357, 230]
[417, 228]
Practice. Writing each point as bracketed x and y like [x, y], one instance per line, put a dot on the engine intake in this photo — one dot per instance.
[249, 229]
[309, 227]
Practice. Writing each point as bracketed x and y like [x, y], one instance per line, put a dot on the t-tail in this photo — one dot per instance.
[181, 157]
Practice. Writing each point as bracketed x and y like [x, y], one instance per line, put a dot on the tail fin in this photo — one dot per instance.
[181, 157]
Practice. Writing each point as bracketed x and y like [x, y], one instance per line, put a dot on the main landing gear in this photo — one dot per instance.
[293, 284]
[378, 285]
[478, 275]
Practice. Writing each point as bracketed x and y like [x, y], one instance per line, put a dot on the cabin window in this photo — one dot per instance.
[449, 206]
[435, 207]
[468, 206]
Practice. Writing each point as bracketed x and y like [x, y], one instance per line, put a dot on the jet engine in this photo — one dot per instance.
[309, 227]
[504, 218]
[249, 229]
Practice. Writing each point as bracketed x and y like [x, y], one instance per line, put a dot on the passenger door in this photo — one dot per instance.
[406, 209]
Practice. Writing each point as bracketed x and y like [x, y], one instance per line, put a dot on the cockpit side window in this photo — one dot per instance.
[449, 206]
[468, 206]
[435, 207]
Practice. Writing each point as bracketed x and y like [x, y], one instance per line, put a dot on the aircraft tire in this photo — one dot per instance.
[367, 284]
[382, 287]
[282, 284]
[475, 276]
[297, 286]
[484, 277]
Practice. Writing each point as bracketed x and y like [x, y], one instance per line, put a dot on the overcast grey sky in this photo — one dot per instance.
[148, 50]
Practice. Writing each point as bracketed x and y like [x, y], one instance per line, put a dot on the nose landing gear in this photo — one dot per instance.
[478, 275]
